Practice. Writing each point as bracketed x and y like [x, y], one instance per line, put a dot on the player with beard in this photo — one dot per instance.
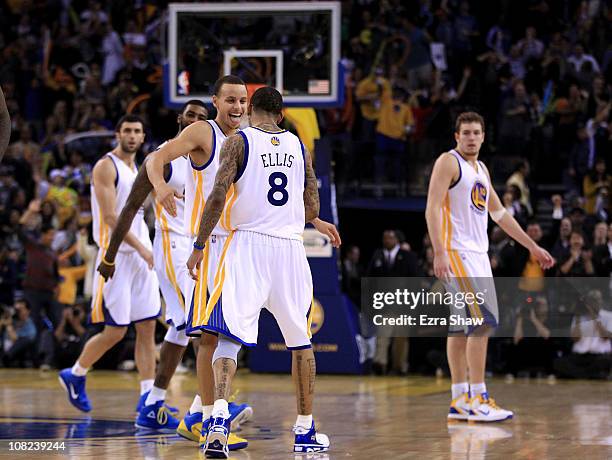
[203, 141]
[131, 297]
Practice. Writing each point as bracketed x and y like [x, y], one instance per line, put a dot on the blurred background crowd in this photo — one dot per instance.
[539, 71]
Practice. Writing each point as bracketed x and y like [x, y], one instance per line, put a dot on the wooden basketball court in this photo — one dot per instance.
[365, 417]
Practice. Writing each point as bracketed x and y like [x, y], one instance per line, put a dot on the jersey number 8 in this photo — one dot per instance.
[276, 187]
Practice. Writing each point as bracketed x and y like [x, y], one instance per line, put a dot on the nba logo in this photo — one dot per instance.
[479, 196]
[183, 83]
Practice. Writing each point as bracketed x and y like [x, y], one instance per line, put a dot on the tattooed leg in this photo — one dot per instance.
[224, 366]
[224, 369]
[304, 371]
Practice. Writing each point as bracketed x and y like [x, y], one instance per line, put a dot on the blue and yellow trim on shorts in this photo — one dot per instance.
[168, 263]
[208, 316]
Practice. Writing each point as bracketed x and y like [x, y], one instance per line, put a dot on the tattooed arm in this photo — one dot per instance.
[312, 204]
[5, 125]
[231, 157]
[311, 191]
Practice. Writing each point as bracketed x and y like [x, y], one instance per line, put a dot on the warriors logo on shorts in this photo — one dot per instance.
[479, 196]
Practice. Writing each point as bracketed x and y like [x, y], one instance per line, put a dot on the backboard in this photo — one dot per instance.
[293, 46]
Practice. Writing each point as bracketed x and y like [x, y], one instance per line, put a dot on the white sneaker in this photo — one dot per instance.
[459, 408]
[484, 409]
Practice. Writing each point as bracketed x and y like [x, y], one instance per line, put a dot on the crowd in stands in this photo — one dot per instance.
[539, 71]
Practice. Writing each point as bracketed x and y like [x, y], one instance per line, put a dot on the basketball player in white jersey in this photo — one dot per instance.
[460, 200]
[131, 297]
[227, 93]
[203, 141]
[171, 249]
[263, 262]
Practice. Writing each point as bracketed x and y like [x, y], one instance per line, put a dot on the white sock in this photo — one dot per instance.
[78, 370]
[457, 389]
[196, 405]
[156, 394]
[304, 421]
[220, 409]
[478, 388]
[146, 385]
[207, 412]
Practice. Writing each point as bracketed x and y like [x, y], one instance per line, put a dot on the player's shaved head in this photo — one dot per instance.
[267, 99]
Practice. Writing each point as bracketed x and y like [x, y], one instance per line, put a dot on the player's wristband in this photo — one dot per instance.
[198, 247]
[110, 264]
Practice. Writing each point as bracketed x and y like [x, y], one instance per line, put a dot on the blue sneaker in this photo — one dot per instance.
[141, 403]
[234, 442]
[157, 417]
[75, 387]
[239, 414]
[309, 440]
[216, 445]
[191, 426]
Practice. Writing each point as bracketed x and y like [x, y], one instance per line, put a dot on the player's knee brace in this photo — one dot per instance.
[226, 348]
[176, 337]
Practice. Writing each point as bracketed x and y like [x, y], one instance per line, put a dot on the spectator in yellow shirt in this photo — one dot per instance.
[369, 93]
[64, 197]
[395, 125]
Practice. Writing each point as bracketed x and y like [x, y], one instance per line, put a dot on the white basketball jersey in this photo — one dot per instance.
[123, 186]
[465, 209]
[163, 221]
[269, 188]
[199, 182]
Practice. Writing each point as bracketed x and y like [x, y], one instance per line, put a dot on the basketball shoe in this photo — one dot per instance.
[233, 442]
[308, 440]
[459, 407]
[143, 398]
[239, 414]
[484, 409]
[157, 417]
[217, 437]
[75, 388]
[191, 426]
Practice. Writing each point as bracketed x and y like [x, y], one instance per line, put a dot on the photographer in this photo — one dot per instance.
[18, 335]
[591, 331]
[61, 347]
